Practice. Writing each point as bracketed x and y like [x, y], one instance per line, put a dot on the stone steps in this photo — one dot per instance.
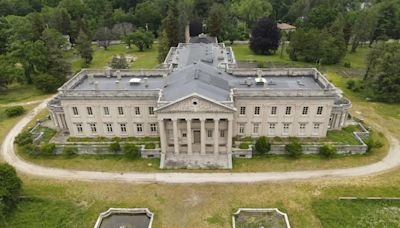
[197, 161]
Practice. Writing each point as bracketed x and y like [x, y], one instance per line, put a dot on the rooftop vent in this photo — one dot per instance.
[135, 81]
[300, 83]
[91, 79]
[259, 73]
[248, 82]
[260, 81]
[271, 82]
[118, 73]
[146, 82]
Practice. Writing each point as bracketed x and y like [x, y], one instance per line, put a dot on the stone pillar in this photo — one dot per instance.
[202, 136]
[189, 135]
[176, 142]
[163, 136]
[229, 140]
[216, 135]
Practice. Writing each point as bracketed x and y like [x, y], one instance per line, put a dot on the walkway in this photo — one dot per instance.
[392, 160]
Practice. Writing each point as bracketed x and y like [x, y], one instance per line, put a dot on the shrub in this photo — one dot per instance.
[14, 111]
[115, 147]
[263, 145]
[131, 151]
[31, 149]
[23, 138]
[294, 149]
[350, 84]
[371, 143]
[347, 64]
[10, 188]
[47, 149]
[69, 152]
[327, 151]
[244, 146]
[150, 146]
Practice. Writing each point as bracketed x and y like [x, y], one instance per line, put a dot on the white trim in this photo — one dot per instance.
[111, 211]
[260, 210]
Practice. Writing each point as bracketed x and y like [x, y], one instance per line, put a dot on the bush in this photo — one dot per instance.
[69, 152]
[244, 146]
[10, 188]
[23, 138]
[263, 145]
[31, 149]
[131, 151]
[115, 147]
[48, 83]
[14, 111]
[294, 149]
[350, 84]
[371, 143]
[47, 149]
[150, 146]
[347, 64]
[327, 151]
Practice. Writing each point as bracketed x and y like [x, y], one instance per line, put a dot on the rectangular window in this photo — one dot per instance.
[319, 110]
[286, 128]
[137, 111]
[316, 128]
[305, 111]
[79, 128]
[222, 133]
[241, 128]
[288, 110]
[93, 127]
[139, 127]
[184, 135]
[106, 111]
[153, 127]
[120, 111]
[109, 128]
[256, 127]
[273, 110]
[75, 111]
[272, 128]
[123, 128]
[257, 110]
[302, 129]
[151, 110]
[209, 133]
[89, 111]
[242, 110]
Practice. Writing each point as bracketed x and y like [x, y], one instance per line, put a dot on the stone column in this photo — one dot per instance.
[176, 142]
[216, 135]
[202, 135]
[189, 135]
[163, 136]
[229, 140]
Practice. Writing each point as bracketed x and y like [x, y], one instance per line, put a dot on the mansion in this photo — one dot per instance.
[198, 100]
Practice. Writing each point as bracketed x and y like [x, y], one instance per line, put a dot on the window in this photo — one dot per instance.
[151, 110]
[79, 128]
[93, 127]
[139, 127]
[242, 110]
[288, 110]
[75, 111]
[316, 128]
[222, 133]
[273, 110]
[123, 128]
[272, 128]
[109, 128]
[89, 111]
[256, 127]
[319, 110]
[257, 110]
[286, 128]
[305, 111]
[184, 135]
[302, 128]
[137, 110]
[153, 127]
[209, 133]
[120, 110]
[241, 128]
[106, 111]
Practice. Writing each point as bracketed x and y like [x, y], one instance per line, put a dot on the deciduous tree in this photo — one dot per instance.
[84, 46]
[264, 36]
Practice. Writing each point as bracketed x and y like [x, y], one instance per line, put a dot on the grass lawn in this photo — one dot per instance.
[21, 93]
[145, 60]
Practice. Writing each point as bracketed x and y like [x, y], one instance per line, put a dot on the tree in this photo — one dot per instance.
[163, 46]
[321, 17]
[216, 20]
[363, 28]
[46, 82]
[251, 10]
[8, 72]
[294, 149]
[122, 29]
[119, 62]
[264, 37]
[104, 36]
[195, 27]
[383, 69]
[327, 151]
[148, 15]
[84, 46]
[388, 21]
[170, 24]
[140, 38]
[262, 145]
[10, 188]
[4, 30]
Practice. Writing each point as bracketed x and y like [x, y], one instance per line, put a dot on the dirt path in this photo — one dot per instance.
[391, 160]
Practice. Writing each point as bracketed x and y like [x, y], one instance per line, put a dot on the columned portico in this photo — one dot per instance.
[189, 135]
[175, 130]
[216, 135]
[202, 136]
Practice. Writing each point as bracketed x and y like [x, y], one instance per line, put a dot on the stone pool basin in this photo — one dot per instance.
[125, 218]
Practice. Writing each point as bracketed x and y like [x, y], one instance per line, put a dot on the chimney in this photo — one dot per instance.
[118, 73]
[259, 73]
[96, 85]
[146, 82]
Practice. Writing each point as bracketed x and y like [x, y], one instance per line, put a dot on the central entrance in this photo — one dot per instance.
[196, 136]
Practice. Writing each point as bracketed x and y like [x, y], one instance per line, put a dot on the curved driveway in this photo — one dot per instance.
[392, 160]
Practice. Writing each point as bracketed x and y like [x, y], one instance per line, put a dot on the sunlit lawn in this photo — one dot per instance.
[21, 92]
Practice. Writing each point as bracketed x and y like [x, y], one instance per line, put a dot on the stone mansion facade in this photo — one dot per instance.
[198, 100]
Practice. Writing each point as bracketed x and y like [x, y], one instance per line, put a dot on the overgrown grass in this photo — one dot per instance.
[21, 92]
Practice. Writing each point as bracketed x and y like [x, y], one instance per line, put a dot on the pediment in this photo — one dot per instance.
[195, 103]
